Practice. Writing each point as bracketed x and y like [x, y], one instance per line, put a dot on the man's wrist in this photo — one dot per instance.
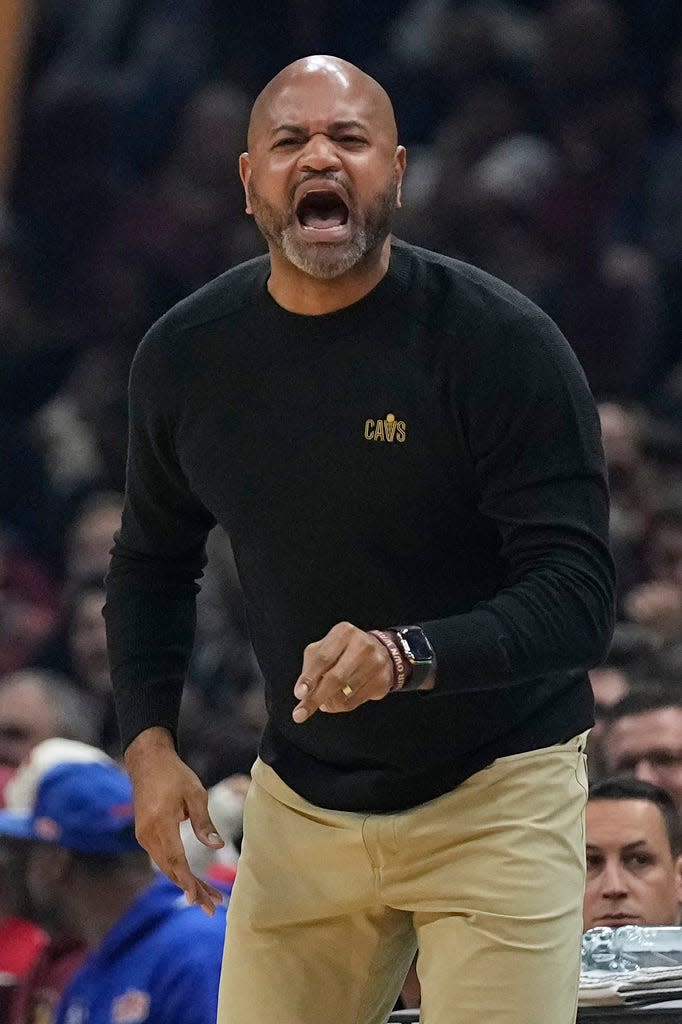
[155, 738]
[400, 667]
[418, 654]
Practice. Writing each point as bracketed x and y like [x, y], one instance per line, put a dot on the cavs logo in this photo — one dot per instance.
[389, 429]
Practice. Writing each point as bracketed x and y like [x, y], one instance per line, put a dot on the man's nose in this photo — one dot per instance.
[320, 154]
[645, 771]
[613, 882]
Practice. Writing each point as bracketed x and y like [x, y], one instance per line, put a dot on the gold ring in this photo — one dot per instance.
[347, 691]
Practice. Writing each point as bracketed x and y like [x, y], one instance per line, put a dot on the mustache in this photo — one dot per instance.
[320, 178]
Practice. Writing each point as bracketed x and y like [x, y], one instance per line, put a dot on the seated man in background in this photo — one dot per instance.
[151, 956]
[37, 704]
[634, 855]
[644, 737]
[37, 994]
[633, 655]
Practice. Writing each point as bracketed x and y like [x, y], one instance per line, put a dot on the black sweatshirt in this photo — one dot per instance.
[429, 454]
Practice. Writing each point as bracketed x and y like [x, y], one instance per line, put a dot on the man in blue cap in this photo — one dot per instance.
[153, 957]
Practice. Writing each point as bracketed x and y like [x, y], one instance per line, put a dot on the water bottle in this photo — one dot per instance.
[631, 947]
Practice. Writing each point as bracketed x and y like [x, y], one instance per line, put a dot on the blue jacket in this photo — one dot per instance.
[160, 964]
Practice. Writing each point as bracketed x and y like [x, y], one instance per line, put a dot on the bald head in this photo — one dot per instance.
[345, 80]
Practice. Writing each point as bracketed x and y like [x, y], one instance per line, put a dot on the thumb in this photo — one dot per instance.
[207, 834]
[203, 827]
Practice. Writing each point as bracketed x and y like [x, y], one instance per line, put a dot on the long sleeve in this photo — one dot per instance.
[532, 431]
[158, 555]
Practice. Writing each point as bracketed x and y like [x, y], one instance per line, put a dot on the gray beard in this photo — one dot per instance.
[326, 261]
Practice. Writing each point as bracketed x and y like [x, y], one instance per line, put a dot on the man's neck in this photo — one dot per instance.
[301, 293]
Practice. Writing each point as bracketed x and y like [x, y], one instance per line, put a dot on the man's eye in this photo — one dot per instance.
[286, 142]
[664, 759]
[593, 863]
[353, 140]
[639, 860]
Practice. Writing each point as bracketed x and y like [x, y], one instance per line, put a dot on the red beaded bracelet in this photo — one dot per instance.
[399, 672]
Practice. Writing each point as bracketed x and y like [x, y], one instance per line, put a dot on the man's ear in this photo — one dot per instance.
[400, 165]
[245, 175]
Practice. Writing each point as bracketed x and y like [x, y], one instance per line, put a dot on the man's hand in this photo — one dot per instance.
[167, 792]
[341, 671]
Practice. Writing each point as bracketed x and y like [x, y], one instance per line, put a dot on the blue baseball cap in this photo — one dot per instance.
[85, 807]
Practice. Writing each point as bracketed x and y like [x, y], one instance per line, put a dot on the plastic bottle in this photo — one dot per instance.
[631, 947]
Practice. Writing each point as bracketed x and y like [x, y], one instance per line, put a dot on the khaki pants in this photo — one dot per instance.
[329, 906]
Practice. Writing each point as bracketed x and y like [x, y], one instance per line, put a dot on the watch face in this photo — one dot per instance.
[418, 644]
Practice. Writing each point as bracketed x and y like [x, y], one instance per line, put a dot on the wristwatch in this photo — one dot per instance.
[418, 653]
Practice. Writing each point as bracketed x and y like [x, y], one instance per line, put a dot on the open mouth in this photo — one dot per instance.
[321, 209]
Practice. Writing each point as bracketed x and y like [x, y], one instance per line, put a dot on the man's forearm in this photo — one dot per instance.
[150, 634]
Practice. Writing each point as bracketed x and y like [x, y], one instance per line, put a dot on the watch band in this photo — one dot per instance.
[418, 653]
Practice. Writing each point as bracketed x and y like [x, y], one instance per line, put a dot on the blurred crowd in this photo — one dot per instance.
[544, 144]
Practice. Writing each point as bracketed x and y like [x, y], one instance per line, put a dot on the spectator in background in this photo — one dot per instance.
[37, 993]
[37, 704]
[121, 72]
[538, 177]
[184, 226]
[633, 836]
[91, 537]
[28, 605]
[441, 55]
[606, 294]
[78, 649]
[150, 954]
[64, 435]
[633, 484]
[634, 655]
[664, 544]
[657, 603]
[450, 209]
[607, 291]
[79, 431]
[85, 640]
[644, 737]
